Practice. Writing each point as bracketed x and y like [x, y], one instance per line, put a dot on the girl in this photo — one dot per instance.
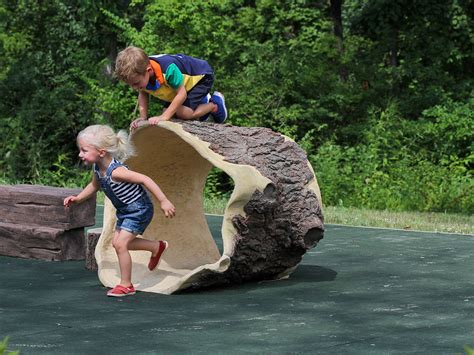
[100, 146]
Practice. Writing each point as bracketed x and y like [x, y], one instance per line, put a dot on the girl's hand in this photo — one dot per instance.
[68, 201]
[168, 209]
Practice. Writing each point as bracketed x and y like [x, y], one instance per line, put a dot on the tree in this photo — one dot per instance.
[47, 52]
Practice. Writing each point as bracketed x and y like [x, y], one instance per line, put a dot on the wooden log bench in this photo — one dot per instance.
[35, 224]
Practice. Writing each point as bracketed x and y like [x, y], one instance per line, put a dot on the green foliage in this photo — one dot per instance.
[218, 185]
[3, 348]
[398, 166]
[60, 174]
[450, 133]
[385, 113]
[468, 350]
[420, 61]
[114, 103]
[41, 110]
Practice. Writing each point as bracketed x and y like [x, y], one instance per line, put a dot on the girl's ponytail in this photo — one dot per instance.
[125, 149]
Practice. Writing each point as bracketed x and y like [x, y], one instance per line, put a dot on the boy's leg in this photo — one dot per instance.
[197, 104]
[216, 107]
[187, 113]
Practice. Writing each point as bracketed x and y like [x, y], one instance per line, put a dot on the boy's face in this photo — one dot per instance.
[139, 82]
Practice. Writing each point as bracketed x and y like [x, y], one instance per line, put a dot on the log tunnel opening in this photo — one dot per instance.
[181, 172]
[180, 164]
[216, 195]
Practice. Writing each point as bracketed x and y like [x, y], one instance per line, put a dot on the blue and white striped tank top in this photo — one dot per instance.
[125, 192]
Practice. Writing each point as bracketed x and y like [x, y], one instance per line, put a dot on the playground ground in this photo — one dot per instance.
[360, 291]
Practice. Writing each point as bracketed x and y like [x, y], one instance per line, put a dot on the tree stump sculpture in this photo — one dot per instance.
[272, 217]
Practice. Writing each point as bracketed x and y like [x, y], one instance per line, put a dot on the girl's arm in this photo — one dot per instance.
[88, 191]
[125, 175]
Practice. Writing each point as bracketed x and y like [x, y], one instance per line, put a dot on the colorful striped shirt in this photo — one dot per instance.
[172, 71]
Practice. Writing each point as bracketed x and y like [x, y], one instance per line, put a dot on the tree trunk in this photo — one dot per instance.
[336, 14]
[338, 30]
[394, 49]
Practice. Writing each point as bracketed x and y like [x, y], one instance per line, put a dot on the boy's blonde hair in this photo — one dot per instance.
[104, 137]
[130, 62]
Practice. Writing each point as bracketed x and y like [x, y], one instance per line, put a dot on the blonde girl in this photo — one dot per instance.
[103, 148]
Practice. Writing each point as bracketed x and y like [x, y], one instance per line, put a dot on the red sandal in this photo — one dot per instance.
[121, 291]
[155, 260]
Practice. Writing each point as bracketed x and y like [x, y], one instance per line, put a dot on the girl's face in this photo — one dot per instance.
[88, 153]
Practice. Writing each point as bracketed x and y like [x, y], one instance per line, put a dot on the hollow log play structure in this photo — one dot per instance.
[272, 218]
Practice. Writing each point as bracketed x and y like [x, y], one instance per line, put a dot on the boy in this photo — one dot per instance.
[182, 82]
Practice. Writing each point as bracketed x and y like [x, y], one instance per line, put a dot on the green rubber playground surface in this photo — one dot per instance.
[361, 291]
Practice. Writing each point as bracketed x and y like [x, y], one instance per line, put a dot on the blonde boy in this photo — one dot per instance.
[181, 82]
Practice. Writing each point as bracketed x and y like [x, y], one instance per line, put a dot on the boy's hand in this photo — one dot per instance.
[168, 209]
[154, 120]
[68, 201]
[136, 123]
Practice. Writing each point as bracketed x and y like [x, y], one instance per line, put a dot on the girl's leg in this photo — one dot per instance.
[121, 242]
[155, 248]
[144, 244]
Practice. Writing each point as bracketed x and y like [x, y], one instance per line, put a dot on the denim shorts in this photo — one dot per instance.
[136, 216]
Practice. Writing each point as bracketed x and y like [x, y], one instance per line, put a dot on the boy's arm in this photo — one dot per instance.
[142, 109]
[143, 104]
[88, 191]
[123, 174]
[178, 100]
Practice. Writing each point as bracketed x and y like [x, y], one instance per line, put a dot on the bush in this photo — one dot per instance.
[396, 167]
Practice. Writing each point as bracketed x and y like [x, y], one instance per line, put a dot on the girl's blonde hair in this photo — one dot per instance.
[104, 137]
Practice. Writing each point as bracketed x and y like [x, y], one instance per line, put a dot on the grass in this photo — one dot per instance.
[416, 221]
[215, 205]
[419, 221]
